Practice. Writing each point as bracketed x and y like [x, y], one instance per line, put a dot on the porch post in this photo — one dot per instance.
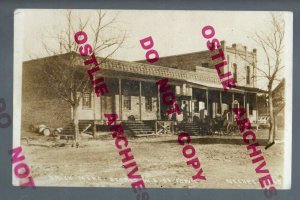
[221, 102]
[232, 114]
[140, 99]
[246, 104]
[101, 110]
[207, 103]
[244, 98]
[256, 107]
[192, 111]
[93, 96]
[158, 104]
[120, 100]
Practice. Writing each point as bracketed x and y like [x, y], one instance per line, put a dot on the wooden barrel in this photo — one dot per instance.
[41, 128]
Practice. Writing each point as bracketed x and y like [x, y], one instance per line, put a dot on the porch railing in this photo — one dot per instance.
[164, 127]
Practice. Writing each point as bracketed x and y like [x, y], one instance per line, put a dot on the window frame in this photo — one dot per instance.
[127, 102]
[248, 79]
[235, 72]
[84, 97]
[205, 65]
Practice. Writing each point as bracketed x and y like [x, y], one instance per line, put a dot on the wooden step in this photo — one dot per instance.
[66, 137]
[141, 129]
[145, 135]
[138, 127]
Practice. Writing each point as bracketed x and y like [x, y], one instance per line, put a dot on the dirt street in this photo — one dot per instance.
[96, 162]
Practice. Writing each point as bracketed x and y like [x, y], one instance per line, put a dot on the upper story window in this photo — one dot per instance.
[127, 102]
[148, 103]
[86, 101]
[205, 65]
[235, 72]
[248, 75]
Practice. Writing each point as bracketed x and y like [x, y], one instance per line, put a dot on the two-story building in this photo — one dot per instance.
[134, 94]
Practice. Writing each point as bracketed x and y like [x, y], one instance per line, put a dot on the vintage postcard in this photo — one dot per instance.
[152, 99]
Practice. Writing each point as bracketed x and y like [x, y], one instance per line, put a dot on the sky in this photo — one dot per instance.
[173, 32]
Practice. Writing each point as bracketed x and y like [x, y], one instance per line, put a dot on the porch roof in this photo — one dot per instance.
[205, 79]
[214, 86]
[159, 71]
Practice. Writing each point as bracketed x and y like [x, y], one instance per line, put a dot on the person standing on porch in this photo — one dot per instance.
[184, 108]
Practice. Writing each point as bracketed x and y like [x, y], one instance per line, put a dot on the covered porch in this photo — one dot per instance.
[138, 104]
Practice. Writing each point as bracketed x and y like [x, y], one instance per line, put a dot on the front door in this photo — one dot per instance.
[107, 105]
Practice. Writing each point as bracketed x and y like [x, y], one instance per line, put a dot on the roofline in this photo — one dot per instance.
[51, 56]
[185, 54]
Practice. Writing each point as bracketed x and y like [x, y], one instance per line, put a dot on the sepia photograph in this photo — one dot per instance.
[153, 98]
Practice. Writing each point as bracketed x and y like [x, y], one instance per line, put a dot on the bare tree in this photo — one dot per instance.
[271, 44]
[66, 74]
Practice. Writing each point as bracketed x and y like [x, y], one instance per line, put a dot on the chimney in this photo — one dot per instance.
[254, 51]
[234, 45]
[245, 47]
